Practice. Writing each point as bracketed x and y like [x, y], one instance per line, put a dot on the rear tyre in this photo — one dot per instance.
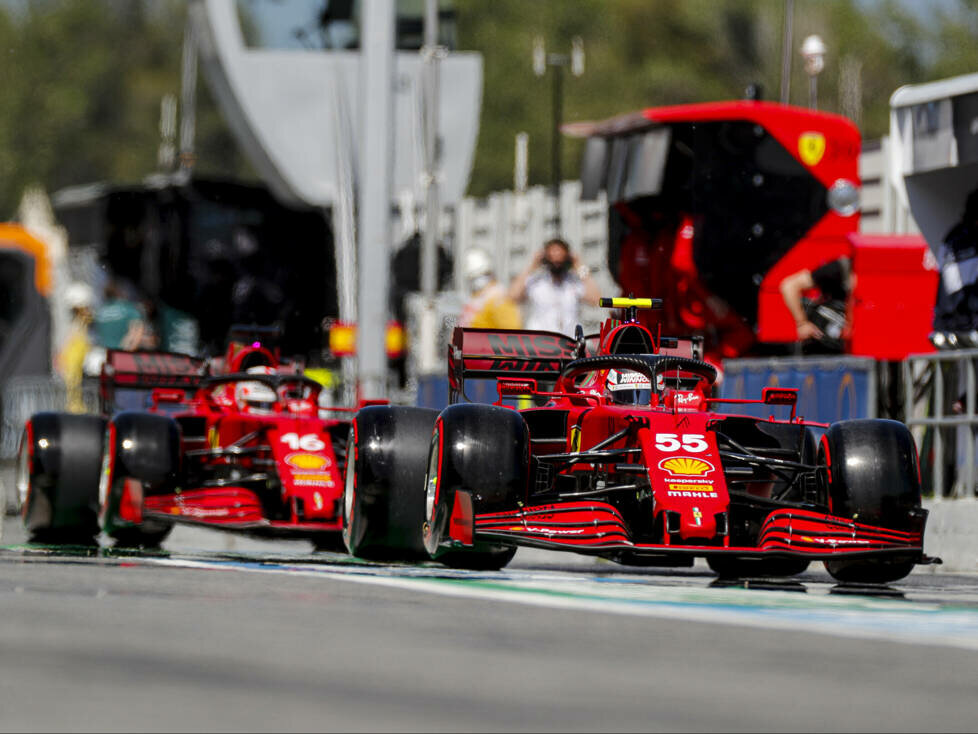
[383, 496]
[142, 458]
[58, 477]
[482, 450]
[872, 479]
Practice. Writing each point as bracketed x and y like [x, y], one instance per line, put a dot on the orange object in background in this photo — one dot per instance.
[343, 339]
[19, 238]
[892, 304]
[395, 340]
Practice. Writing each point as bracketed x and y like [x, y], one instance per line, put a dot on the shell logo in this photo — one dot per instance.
[306, 461]
[686, 466]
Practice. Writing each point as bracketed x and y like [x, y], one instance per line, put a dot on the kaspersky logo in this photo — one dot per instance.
[686, 466]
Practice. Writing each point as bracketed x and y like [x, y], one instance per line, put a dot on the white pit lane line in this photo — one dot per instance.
[860, 617]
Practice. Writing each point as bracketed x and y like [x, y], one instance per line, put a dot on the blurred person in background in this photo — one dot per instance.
[70, 360]
[820, 323]
[145, 334]
[552, 287]
[489, 306]
[956, 308]
[120, 322]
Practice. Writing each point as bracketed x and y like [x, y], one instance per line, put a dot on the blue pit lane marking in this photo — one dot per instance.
[841, 616]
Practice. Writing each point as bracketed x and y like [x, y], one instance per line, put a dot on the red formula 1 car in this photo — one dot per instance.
[237, 443]
[623, 453]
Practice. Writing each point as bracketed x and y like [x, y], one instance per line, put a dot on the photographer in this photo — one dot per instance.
[552, 287]
[820, 324]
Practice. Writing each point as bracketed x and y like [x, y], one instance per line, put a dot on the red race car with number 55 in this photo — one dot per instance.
[623, 452]
[237, 443]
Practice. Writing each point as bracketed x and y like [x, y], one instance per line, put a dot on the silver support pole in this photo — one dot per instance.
[789, 11]
[374, 213]
[188, 98]
[431, 52]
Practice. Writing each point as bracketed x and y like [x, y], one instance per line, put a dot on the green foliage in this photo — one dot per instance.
[646, 53]
[83, 82]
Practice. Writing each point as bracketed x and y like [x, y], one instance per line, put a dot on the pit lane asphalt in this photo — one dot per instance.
[223, 633]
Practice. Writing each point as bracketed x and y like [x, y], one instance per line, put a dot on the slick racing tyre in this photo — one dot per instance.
[58, 477]
[482, 450]
[383, 496]
[142, 457]
[872, 478]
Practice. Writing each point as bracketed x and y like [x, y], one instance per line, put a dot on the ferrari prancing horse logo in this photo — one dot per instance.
[811, 148]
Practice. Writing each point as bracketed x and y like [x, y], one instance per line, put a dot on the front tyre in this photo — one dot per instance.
[383, 494]
[482, 450]
[58, 467]
[873, 478]
[142, 457]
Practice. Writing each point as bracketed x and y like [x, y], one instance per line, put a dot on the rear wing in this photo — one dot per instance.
[145, 370]
[492, 353]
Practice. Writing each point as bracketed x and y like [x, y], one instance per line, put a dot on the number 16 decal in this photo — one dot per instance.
[306, 442]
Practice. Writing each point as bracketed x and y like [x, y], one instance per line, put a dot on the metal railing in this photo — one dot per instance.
[940, 411]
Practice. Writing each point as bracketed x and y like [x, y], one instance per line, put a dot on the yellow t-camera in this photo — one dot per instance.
[645, 303]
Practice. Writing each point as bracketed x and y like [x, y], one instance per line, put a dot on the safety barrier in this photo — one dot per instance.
[940, 410]
[829, 388]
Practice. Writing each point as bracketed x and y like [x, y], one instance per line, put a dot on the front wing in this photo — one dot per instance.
[230, 508]
[597, 528]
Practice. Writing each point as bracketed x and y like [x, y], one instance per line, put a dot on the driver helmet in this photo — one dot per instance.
[256, 397]
[626, 387]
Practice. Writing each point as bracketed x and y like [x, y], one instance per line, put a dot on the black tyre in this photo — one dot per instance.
[727, 568]
[58, 467]
[482, 450]
[383, 497]
[872, 478]
[142, 457]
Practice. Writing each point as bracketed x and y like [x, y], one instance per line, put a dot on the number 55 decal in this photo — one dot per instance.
[694, 443]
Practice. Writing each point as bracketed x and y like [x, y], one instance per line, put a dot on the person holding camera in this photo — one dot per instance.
[552, 288]
[820, 323]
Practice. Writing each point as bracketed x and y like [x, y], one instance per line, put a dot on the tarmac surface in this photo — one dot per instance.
[221, 633]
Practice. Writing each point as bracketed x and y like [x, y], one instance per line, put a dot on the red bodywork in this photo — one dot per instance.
[681, 487]
[713, 205]
[274, 472]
